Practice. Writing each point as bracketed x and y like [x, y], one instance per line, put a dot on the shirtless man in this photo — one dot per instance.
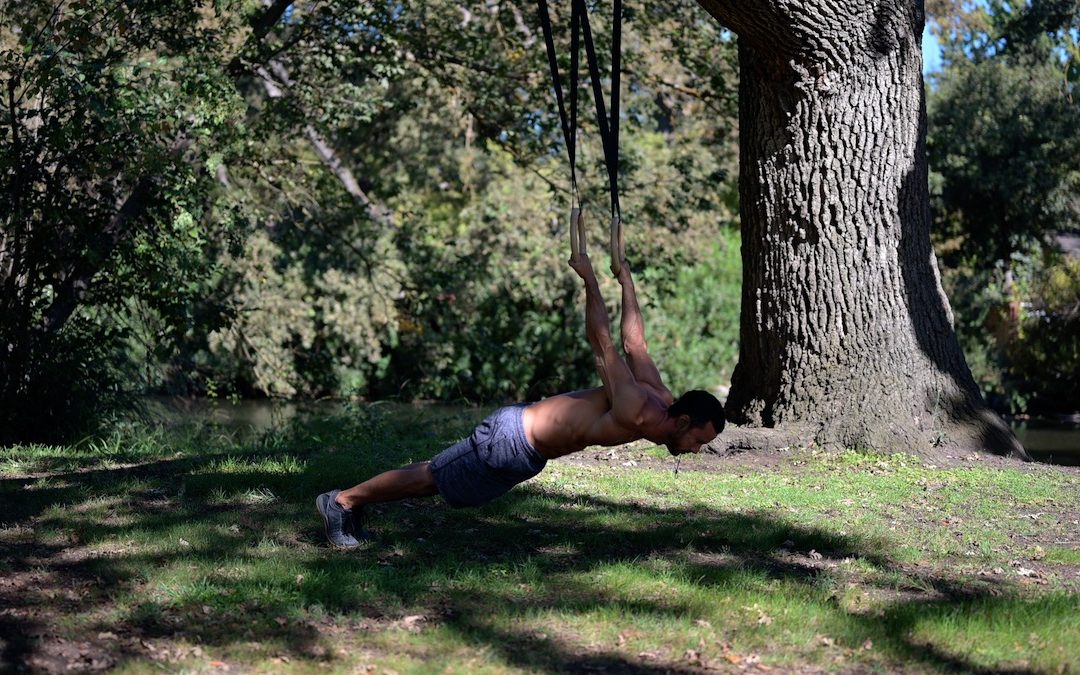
[514, 443]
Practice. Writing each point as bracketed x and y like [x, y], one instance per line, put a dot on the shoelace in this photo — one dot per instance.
[352, 519]
[347, 522]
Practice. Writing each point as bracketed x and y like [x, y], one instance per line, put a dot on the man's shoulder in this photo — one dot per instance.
[662, 394]
[654, 411]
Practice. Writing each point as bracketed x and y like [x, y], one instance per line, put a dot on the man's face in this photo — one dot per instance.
[691, 439]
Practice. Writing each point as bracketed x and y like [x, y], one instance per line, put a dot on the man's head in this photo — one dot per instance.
[699, 418]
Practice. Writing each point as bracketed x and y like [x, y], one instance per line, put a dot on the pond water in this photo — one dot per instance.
[1054, 441]
[1051, 441]
[256, 416]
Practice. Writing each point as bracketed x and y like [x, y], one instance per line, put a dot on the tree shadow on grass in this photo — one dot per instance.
[726, 549]
[264, 575]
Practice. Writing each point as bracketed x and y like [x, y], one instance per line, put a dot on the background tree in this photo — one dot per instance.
[112, 115]
[306, 199]
[309, 199]
[844, 322]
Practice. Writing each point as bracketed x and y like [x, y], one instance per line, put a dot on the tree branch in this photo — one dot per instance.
[758, 23]
[71, 291]
[377, 212]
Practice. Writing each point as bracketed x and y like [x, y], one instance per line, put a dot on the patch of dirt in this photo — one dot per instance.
[754, 450]
[740, 448]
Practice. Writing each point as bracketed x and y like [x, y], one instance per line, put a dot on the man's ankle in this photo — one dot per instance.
[344, 502]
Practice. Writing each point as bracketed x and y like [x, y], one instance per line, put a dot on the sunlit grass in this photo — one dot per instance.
[829, 562]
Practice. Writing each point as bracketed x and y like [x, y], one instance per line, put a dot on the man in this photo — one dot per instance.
[514, 443]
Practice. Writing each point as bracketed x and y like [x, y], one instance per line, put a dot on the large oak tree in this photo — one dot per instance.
[845, 329]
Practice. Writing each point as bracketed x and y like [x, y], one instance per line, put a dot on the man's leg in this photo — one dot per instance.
[337, 506]
[414, 480]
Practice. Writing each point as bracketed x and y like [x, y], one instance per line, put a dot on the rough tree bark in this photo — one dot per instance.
[845, 329]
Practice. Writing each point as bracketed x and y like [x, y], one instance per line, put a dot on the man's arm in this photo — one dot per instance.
[633, 338]
[627, 398]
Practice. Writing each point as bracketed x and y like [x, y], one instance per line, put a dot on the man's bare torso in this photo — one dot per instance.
[570, 422]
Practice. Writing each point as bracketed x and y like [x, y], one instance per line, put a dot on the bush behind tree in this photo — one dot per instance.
[1004, 144]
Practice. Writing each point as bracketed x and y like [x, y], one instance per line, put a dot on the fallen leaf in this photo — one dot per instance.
[868, 644]
[730, 656]
[185, 543]
[827, 641]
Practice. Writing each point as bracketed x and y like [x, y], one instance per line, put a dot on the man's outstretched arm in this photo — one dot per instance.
[633, 339]
[625, 395]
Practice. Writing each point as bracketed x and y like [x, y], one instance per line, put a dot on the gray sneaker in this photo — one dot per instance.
[338, 520]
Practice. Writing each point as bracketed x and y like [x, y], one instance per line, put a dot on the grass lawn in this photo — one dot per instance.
[195, 550]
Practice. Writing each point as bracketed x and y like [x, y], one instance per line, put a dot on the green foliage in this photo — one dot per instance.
[1019, 325]
[694, 318]
[299, 317]
[110, 114]
[1046, 351]
[1004, 144]
[491, 313]
[457, 147]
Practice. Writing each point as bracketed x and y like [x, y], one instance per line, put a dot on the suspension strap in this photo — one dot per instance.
[569, 123]
[609, 127]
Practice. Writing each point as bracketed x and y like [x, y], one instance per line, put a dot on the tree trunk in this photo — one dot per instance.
[844, 325]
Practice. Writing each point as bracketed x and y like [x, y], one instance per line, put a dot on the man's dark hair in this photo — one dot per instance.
[701, 407]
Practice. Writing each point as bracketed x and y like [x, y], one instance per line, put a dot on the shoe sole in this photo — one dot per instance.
[320, 506]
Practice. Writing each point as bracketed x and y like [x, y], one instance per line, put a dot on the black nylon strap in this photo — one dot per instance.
[609, 128]
[616, 65]
[575, 29]
[569, 125]
[609, 131]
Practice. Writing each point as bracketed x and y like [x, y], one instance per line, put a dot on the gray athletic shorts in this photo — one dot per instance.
[495, 458]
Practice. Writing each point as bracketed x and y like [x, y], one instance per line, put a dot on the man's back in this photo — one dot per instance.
[567, 423]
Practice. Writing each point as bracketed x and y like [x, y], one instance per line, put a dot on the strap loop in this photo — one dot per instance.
[618, 248]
